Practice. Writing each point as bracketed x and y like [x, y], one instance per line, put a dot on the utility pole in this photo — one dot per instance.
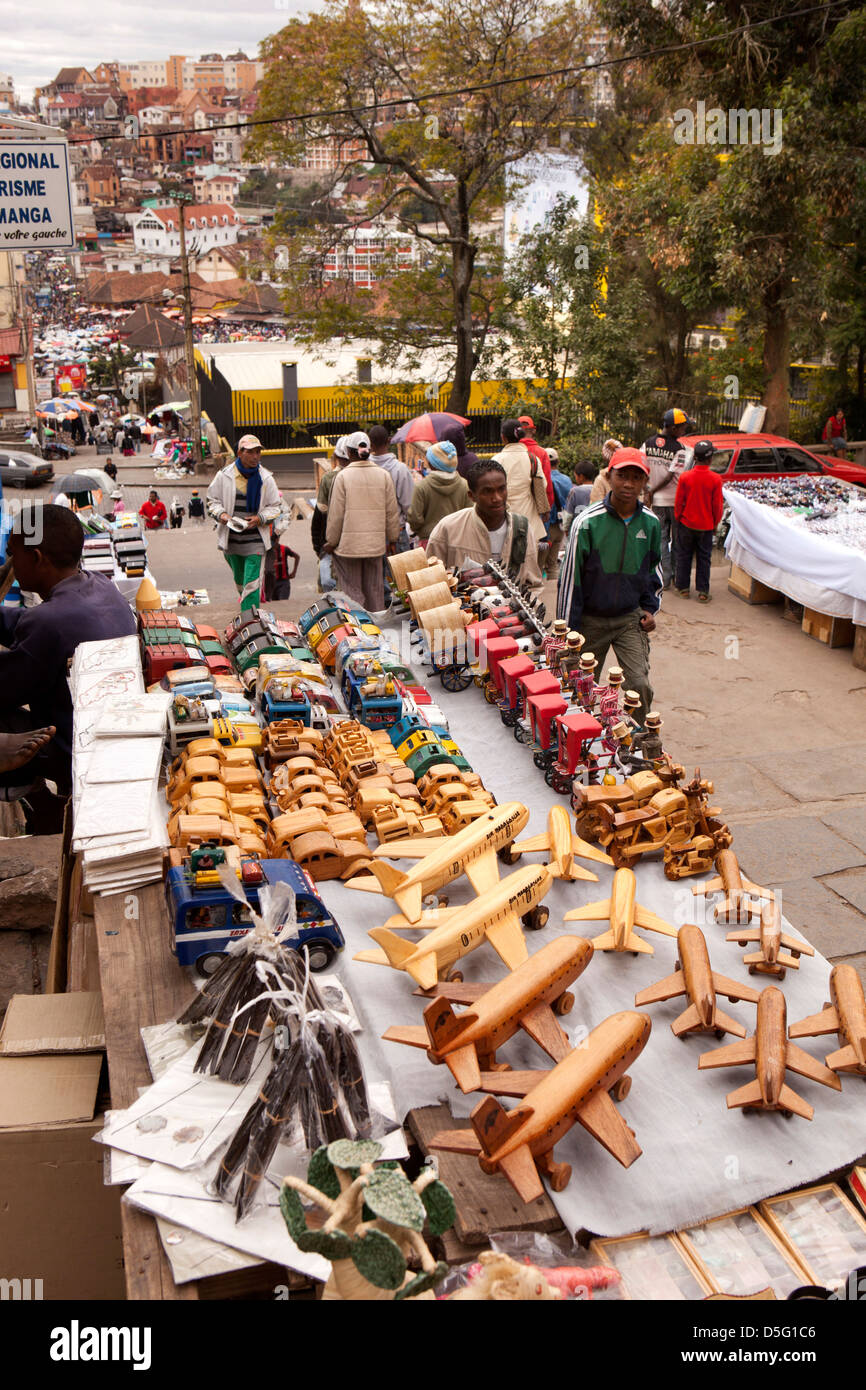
[192, 380]
[26, 328]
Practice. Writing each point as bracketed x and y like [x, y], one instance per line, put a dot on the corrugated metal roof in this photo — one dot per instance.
[10, 342]
[258, 366]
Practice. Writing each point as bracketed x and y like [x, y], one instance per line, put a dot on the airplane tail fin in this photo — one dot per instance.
[750, 1094]
[396, 948]
[520, 1170]
[393, 883]
[494, 1124]
[735, 908]
[843, 1060]
[443, 1024]
[463, 1066]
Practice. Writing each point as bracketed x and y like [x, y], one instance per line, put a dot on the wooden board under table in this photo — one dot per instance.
[485, 1204]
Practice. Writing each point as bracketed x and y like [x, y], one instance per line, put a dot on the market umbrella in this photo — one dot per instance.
[74, 482]
[427, 428]
[101, 479]
[168, 405]
[57, 410]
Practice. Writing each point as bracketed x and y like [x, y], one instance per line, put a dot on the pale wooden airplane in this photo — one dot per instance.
[737, 904]
[528, 998]
[455, 931]
[845, 1015]
[695, 978]
[770, 959]
[520, 1142]
[472, 851]
[562, 846]
[624, 914]
[771, 1053]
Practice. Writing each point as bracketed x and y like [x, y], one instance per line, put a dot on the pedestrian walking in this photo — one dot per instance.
[110, 467]
[244, 499]
[534, 448]
[319, 521]
[610, 585]
[527, 491]
[579, 494]
[466, 460]
[196, 506]
[153, 511]
[175, 514]
[698, 510]
[438, 494]
[666, 458]
[363, 521]
[400, 475]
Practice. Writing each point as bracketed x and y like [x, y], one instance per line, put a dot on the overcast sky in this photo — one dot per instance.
[42, 36]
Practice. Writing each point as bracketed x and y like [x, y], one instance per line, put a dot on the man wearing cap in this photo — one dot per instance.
[442, 492]
[610, 584]
[363, 520]
[666, 458]
[535, 451]
[244, 499]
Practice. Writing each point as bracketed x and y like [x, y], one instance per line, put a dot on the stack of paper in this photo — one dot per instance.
[119, 822]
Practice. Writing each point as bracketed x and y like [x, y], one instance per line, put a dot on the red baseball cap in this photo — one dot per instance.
[629, 458]
[526, 420]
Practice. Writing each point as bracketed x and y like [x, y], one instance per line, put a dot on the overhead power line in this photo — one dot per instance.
[298, 117]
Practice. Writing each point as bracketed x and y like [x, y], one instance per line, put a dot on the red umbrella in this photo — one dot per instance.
[427, 428]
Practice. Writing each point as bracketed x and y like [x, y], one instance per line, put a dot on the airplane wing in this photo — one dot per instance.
[792, 944]
[510, 1083]
[584, 850]
[507, 939]
[799, 1061]
[541, 1025]
[815, 1024]
[737, 1054]
[731, 990]
[536, 844]
[591, 912]
[715, 885]
[792, 1101]
[650, 922]
[457, 1141]
[756, 888]
[600, 1116]
[456, 991]
[463, 1066]
[730, 1025]
[743, 936]
[663, 989]
[845, 1059]
[520, 1170]
[413, 847]
[483, 872]
[424, 970]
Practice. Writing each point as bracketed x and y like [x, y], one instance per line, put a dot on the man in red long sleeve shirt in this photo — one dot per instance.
[535, 451]
[698, 511]
[153, 511]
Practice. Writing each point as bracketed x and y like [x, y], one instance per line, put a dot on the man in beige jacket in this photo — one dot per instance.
[485, 531]
[363, 520]
[520, 467]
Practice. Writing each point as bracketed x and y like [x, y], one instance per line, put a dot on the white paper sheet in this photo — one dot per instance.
[125, 760]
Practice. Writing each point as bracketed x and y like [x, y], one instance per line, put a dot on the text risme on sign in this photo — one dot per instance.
[35, 210]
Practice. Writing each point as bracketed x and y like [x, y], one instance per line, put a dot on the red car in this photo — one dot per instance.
[770, 456]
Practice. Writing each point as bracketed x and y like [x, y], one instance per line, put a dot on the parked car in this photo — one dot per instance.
[24, 470]
[741, 456]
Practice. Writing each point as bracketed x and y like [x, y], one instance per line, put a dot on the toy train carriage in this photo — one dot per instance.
[206, 918]
[533, 685]
[577, 732]
[509, 675]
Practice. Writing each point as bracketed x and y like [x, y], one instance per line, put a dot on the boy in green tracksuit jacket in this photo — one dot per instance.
[611, 580]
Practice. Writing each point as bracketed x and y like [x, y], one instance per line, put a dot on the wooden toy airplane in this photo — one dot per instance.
[772, 1054]
[696, 979]
[624, 915]
[770, 959]
[520, 1142]
[528, 998]
[472, 851]
[563, 847]
[455, 931]
[736, 905]
[844, 1015]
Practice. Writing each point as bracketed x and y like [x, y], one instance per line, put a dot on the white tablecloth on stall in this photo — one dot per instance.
[699, 1159]
[811, 569]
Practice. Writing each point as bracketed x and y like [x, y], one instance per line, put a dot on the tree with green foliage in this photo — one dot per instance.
[348, 64]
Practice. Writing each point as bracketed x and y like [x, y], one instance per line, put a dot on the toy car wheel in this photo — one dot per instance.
[210, 963]
[320, 953]
[622, 1088]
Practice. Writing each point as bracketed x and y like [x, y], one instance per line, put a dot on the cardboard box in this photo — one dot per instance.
[46, 1023]
[834, 632]
[59, 1223]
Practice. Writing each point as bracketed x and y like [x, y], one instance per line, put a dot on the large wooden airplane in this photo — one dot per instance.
[770, 959]
[624, 914]
[562, 846]
[768, 1048]
[520, 1142]
[455, 931]
[695, 978]
[528, 998]
[845, 1015]
[472, 851]
[737, 904]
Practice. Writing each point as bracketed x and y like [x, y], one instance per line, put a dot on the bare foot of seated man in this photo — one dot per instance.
[18, 749]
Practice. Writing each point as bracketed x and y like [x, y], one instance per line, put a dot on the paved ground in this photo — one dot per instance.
[770, 715]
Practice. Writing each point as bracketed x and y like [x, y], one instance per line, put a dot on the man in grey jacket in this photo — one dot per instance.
[244, 499]
[400, 475]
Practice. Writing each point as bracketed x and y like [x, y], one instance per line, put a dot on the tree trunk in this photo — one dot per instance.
[776, 363]
[861, 365]
[462, 267]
